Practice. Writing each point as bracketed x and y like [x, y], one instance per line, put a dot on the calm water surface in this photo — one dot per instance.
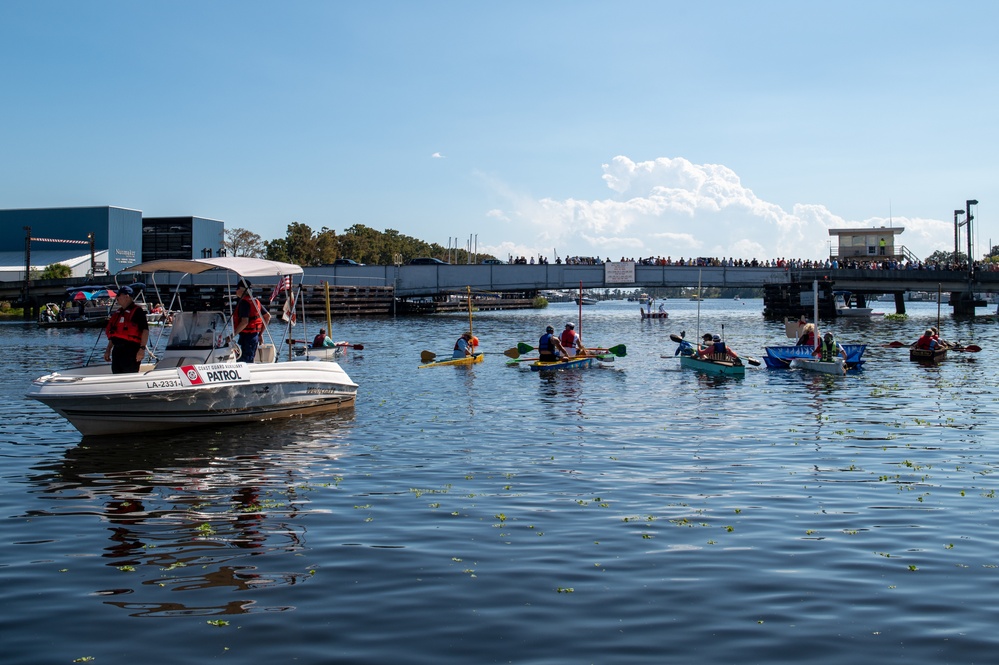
[633, 513]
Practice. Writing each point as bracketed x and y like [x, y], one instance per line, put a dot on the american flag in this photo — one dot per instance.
[284, 284]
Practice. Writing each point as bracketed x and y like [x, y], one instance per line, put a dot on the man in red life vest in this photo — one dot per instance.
[716, 349]
[127, 333]
[248, 322]
[927, 341]
[571, 341]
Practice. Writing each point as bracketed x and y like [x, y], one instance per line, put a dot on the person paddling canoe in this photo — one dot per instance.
[550, 349]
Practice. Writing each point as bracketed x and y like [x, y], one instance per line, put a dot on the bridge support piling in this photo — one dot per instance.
[964, 303]
[899, 302]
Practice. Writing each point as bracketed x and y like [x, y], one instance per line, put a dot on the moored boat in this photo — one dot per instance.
[846, 307]
[95, 321]
[198, 380]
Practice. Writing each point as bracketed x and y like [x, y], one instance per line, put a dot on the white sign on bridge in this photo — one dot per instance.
[619, 272]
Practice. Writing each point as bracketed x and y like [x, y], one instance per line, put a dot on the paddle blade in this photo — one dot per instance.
[427, 356]
[512, 353]
[676, 338]
[973, 348]
[358, 347]
[752, 361]
[895, 345]
[524, 348]
[620, 350]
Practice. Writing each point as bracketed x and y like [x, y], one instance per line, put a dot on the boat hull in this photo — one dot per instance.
[857, 312]
[713, 367]
[932, 356]
[91, 322]
[456, 362]
[571, 363]
[99, 403]
[654, 315]
[322, 353]
[837, 366]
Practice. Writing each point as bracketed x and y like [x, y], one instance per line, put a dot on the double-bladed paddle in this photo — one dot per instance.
[620, 350]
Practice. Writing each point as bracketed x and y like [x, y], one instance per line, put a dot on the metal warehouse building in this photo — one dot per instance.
[100, 239]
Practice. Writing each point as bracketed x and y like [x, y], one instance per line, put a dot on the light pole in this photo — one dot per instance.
[957, 225]
[968, 218]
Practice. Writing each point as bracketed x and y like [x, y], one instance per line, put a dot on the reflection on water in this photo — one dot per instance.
[467, 515]
[192, 512]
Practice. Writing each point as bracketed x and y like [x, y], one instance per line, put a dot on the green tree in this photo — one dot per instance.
[361, 243]
[240, 242]
[56, 271]
[940, 256]
[277, 250]
[327, 247]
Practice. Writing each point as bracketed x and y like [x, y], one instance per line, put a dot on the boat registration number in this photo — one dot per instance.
[167, 383]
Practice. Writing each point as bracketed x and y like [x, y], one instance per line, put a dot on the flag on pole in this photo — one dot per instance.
[288, 309]
[284, 284]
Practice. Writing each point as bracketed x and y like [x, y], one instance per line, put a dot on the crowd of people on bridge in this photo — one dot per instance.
[780, 263]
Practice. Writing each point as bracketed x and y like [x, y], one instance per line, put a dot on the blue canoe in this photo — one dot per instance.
[780, 357]
[570, 363]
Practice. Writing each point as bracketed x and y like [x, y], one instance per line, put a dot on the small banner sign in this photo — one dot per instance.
[199, 375]
[619, 272]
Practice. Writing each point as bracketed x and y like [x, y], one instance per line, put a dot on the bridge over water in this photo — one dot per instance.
[433, 280]
[418, 281]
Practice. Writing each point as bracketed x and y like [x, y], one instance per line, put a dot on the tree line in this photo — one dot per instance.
[305, 247]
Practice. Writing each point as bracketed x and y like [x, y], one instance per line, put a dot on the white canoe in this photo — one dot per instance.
[836, 366]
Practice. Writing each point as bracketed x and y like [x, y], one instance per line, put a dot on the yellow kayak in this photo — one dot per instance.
[467, 360]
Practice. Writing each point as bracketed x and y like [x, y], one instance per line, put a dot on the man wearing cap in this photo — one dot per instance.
[248, 321]
[828, 348]
[128, 333]
[549, 348]
[717, 349]
[571, 341]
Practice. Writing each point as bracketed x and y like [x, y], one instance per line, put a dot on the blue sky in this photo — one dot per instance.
[632, 129]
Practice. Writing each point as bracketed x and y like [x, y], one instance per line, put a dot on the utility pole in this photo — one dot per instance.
[968, 218]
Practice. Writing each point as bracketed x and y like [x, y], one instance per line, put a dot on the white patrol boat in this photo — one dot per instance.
[198, 380]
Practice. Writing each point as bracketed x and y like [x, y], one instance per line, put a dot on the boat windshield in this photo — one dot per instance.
[197, 330]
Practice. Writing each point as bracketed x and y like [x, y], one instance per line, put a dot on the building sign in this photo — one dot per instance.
[619, 272]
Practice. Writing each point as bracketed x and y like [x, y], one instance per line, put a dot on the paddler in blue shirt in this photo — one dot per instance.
[463, 347]
[549, 347]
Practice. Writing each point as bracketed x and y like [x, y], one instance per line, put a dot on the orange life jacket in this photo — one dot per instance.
[255, 323]
[122, 325]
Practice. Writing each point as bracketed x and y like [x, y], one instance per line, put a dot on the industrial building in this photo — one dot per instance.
[99, 240]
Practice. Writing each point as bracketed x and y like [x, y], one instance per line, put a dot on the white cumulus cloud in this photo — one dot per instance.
[671, 206]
